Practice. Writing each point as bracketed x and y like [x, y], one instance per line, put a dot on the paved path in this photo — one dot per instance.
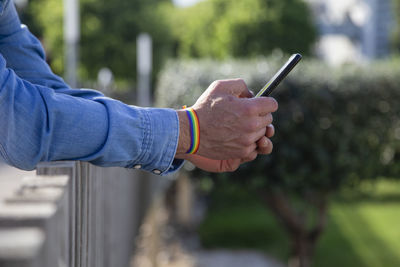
[233, 258]
[160, 244]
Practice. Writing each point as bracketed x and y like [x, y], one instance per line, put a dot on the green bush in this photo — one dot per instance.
[334, 127]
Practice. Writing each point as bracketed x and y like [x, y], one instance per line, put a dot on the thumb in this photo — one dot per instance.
[236, 87]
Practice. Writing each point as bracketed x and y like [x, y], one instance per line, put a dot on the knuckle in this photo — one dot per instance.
[216, 83]
[273, 103]
[247, 141]
[241, 81]
[242, 153]
[253, 125]
[247, 151]
[253, 156]
[249, 110]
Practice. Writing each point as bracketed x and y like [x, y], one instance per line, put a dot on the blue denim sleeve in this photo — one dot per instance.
[22, 51]
[42, 119]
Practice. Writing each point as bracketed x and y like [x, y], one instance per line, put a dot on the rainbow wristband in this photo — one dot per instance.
[194, 125]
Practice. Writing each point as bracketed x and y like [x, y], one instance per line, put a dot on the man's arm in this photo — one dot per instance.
[39, 124]
[105, 132]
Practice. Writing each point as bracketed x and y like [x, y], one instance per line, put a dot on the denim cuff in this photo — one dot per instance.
[161, 141]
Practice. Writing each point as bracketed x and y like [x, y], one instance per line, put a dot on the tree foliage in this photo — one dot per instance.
[242, 28]
[108, 33]
[45, 19]
[212, 28]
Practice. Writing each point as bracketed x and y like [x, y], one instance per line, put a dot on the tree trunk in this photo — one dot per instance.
[303, 238]
[302, 251]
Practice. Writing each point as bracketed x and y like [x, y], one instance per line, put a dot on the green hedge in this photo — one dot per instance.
[334, 126]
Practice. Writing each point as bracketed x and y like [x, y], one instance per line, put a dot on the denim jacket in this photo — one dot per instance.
[43, 119]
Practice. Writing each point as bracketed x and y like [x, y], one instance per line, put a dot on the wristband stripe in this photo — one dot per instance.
[194, 126]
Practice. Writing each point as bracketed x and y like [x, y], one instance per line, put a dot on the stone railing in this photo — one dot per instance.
[73, 214]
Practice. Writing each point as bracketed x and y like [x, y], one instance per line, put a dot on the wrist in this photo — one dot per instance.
[184, 134]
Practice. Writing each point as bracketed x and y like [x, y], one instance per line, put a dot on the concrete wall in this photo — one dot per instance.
[74, 214]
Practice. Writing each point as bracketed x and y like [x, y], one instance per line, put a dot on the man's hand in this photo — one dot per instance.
[232, 123]
[230, 165]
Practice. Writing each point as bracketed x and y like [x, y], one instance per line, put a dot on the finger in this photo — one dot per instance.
[258, 122]
[251, 157]
[248, 151]
[262, 143]
[270, 131]
[231, 165]
[264, 146]
[236, 87]
[260, 105]
[249, 96]
[241, 88]
[251, 139]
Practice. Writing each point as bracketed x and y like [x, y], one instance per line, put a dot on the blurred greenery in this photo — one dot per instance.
[108, 33]
[362, 226]
[212, 28]
[238, 219]
[335, 127]
[242, 28]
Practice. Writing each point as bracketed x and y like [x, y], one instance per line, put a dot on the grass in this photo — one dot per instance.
[363, 229]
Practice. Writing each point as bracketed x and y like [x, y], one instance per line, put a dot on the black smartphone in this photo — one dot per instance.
[280, 75]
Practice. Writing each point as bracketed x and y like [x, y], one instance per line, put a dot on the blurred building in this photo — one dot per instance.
[353, 30]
